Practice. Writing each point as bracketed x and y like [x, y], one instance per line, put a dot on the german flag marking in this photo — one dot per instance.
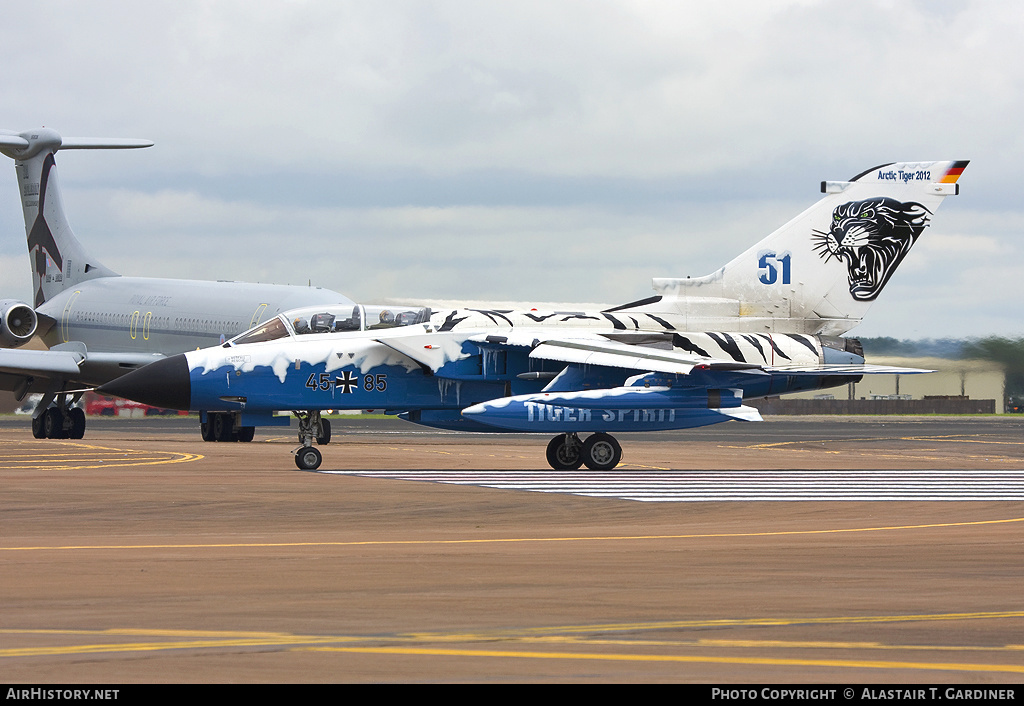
[954, 172]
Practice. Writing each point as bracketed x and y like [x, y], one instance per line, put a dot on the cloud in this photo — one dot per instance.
[465, 149]
[17, 280]
[548, 253]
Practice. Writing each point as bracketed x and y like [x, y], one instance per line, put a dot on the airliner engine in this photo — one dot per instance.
[17, 323]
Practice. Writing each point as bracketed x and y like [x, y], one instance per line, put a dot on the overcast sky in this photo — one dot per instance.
[545, 151]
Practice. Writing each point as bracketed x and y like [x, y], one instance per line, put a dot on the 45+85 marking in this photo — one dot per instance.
[347, 381]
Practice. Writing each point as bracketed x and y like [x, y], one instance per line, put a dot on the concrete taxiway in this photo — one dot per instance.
[141, 554]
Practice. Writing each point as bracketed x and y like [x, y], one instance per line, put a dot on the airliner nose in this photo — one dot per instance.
[164, 383]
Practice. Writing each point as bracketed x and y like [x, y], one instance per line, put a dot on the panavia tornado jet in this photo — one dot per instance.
[768, 323]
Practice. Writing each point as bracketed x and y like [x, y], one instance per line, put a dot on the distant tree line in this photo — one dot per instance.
[1009, 352]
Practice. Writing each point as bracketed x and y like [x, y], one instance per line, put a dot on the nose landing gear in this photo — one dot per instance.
[311, 426]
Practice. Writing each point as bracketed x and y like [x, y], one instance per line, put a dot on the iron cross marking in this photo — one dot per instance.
[348, 381]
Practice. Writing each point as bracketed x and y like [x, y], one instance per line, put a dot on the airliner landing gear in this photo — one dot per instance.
[600, 452]
[311, 426]
[62, 421]
[222, 426]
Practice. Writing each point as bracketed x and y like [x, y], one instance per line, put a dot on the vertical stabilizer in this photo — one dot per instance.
[820, 272]
[57, 258]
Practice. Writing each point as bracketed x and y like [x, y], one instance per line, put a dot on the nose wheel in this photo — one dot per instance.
[308, 458]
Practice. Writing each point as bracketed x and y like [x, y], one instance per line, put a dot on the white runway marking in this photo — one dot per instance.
[719, 486]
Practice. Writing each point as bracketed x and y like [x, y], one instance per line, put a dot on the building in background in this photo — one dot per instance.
[957, 387]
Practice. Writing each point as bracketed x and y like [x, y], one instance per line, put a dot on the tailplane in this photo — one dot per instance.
[819, 273]
[58, 259]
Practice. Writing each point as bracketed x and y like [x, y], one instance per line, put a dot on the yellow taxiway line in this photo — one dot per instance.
[511, 540]
[567, 635]
[699, 659]
[59, 455]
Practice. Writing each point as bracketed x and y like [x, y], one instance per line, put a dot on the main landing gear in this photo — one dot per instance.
[600, 452]
[311, 427]
[55, 423]
[222, 426]
[63, 420]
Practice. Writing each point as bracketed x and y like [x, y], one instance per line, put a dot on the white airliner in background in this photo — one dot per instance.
[97, 324]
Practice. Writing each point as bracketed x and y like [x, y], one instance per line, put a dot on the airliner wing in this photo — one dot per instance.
[30, 370]
[44, 363]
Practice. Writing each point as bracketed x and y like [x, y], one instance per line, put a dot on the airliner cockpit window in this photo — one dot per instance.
[267, 331]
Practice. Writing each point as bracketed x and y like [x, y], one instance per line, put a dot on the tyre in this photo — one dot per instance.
[38, 431]
[563, 453]
[53, 423]
[308, 459]
[222, 427]
[601, 452]
[77, 415]
[206, 429]
[246, 433]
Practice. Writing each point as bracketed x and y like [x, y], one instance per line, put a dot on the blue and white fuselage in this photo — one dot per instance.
[486, 370]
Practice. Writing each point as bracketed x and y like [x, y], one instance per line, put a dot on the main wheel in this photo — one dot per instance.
[206, 428]
[53, 423]
[77, 430]
[563, 453]
[601, 452]
[308, 459]
[222, 428]
[38, 432]
[246, 433]
[325, 432]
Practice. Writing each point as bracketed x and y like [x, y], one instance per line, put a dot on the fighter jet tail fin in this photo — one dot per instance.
[820, 272]
[58, 259]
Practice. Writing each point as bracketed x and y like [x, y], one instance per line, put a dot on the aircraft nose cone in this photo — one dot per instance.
[164, 383]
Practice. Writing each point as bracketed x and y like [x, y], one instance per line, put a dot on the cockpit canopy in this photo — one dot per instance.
[320, 319]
